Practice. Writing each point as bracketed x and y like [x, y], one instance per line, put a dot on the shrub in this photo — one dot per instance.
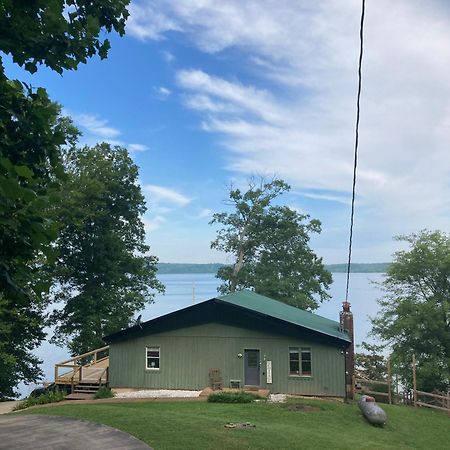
[104, 392]
[232, 397]
[49, 397]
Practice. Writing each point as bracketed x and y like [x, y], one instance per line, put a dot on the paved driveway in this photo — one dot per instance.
[37, 432]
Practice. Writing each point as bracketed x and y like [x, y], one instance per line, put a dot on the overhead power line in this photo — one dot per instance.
[355, 160]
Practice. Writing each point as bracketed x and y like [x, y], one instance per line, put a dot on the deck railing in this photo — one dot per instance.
[75, 365]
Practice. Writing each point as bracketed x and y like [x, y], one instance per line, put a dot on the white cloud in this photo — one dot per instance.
[160, 193]
[137, 147]
[148, 22]
[205, 212]
[96, 129]
[243, 98]
[296, 117]
[168, 57]
[162, 92]
[96, 126]
[327, 198]
[153, 224]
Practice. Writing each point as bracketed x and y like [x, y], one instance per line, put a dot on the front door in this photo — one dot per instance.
[251, 367]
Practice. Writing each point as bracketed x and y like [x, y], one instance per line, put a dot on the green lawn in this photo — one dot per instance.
[200, 425]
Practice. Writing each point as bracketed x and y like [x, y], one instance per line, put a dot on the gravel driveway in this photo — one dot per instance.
[33, 432]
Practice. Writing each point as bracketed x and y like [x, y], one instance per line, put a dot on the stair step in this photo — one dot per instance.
[79, 396]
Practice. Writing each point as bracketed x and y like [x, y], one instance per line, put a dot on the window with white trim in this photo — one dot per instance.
[152, 358]
[300, 361]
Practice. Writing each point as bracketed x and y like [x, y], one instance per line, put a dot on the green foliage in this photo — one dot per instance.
[59, 33]
[415, 310]
[49, 397]
[104, 272]
[270, 244]
[232, 397]
[32, 132]
[370, 363]
[104, 392]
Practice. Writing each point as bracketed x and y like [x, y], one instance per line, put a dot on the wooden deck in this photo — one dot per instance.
[87, 369]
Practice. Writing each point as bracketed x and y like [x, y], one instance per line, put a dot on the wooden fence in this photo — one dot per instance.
[437, 400]
[365, 386]
[413, 397]
[431, 400]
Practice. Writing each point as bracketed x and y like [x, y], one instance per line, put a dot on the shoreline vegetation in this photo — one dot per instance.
[180, 268]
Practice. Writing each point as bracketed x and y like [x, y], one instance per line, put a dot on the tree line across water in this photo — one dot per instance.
[175, 268]
[73, 252]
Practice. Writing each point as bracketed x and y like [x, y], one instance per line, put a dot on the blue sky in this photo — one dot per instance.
[207, 93]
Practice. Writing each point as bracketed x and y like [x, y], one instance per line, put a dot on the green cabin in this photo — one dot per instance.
[252, 340]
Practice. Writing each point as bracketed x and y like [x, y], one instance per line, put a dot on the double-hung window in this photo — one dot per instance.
[153, 355]
[300, 361]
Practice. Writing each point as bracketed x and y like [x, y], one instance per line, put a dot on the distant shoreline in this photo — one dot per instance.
[172, 268]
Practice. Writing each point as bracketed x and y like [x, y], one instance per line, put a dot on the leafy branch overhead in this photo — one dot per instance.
[60, 34]
[270, 247]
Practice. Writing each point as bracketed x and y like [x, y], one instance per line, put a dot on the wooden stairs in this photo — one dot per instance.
[85, 390]
[84, 375]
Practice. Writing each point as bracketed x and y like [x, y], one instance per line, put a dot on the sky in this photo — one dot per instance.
[207, 93]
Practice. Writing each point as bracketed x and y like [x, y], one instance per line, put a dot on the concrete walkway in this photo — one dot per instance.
[62, 433]
[7, 407]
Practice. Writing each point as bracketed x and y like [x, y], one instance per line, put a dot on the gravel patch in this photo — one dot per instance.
[159, 393]
[277, 398]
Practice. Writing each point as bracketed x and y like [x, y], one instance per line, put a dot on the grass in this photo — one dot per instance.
[232, 397]
[49, 397]
[200, 425]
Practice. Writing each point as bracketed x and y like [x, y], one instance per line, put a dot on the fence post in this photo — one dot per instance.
[414, 379]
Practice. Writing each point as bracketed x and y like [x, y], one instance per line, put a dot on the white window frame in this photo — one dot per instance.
[153, 348]
[305, 350]
[299, 351]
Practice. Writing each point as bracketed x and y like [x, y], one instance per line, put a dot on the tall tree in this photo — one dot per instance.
[270, 246]
[31, 135]
[104, 271]
[59, 34]
[415, 310]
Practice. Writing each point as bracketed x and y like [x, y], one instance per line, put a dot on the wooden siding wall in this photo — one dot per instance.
[188, 353]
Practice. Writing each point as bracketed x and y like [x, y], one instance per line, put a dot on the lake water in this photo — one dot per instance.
[362, 295]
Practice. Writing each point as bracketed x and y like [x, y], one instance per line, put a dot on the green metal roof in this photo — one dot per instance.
[265, 305]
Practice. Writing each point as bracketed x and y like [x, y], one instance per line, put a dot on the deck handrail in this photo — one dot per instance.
[75, 363]
[84, 355]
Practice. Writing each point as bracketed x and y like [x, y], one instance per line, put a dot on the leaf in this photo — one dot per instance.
[6, 163]
[24, 171]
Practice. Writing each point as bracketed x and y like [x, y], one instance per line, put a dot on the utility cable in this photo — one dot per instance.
[355, 161]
